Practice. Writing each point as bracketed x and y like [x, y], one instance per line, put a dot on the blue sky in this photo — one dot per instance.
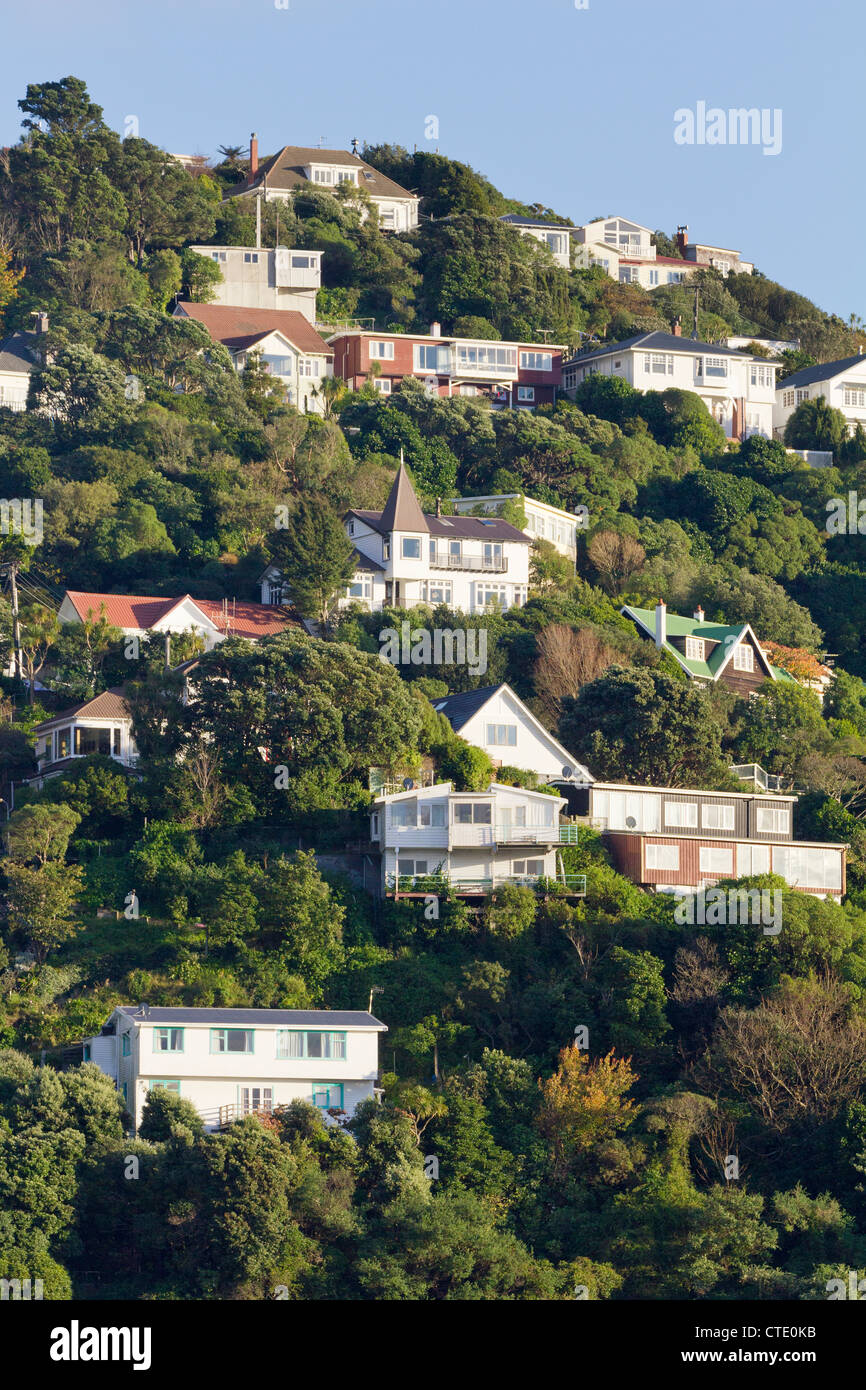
[570, 107]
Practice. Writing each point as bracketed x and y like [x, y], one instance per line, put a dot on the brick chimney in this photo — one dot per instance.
[682, 239]
[661, 623]
[699, 614]
[678, 328]
[254, 155]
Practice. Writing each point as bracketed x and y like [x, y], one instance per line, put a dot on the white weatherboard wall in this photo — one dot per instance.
[211, 1079]
[534, 749]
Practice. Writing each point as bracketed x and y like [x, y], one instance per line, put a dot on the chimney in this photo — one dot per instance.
[254, 155]
[682, 239]
[699, 614]
[438, 506]
[661, 623]
[42, 322]
[678, 328]
[435, 330]
[168, 651]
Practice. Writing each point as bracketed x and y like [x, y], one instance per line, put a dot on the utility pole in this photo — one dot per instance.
[12, 570]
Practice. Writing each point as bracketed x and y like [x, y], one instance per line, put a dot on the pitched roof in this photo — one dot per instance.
[339, 1018]
[251, 620]
[459, 709]
[726, 635]
[518, 221]
[402, 511]
[822, 372]
[240, 328]
[662, 342]
[111, 704]
[17, 353]
[286, 170]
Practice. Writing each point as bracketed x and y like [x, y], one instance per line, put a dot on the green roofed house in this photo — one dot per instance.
[707, 651]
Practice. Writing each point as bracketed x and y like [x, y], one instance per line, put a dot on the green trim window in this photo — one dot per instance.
[168, 1040]
[85, 1056]
[231, 1040]
[327, 1096]
[125, 1045]
[312, 1043]
[164, 1086]
[124, 1086]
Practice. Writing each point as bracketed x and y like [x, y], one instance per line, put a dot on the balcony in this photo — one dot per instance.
[442, 560]
[459, 835]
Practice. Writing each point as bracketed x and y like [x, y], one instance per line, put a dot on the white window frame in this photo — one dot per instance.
[743, 658]
[694, 648]
[682, 815]
[779, 818]
[657, 854]
[716, 816]
[381, 350]
[709, 860]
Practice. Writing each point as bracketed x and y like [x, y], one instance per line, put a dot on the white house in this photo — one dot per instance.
[296, 167]
[841, 383]
[258, 277]
[136, 615]
[543, 521]
[738, 390]
[476, 840]
[235, 1062]
[102, 725]
[17, 361]
[705, 257]
[406, 557]
[497, 720]
[287, 345]
[555, 236]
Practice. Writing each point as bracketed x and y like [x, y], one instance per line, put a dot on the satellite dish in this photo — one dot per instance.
[631, 822]
[567, 771]
[408, 784]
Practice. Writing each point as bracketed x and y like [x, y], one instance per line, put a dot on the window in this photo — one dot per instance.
[361, 588]
[412, 868]
[761, 376]
[502, 735]
[308, 366]
[255, 1098]
[381, 351]
[472, 813]
[436, 592]
[85, 1052]
[744, 657]
[526, 393]
[383, 385]
[125, 1045]
[659, 363]
[431, 813]
[627, 810]
[231, 1039]
[629, 275]
[404, 813]
[537, 361]
[787, 398]
[694, 649]
[675, 277]
[682, 813]
[431, 357]
[802, 396]
[752, 859]
[387, 218]
[717, 817]
[124, 1086]
[855, 395]
[312, 1043]
[809, 868]
[251, 258]
[666, 857]
[386, 550]
[63, 741]
[772, 820]
[411, 548]
[653, 277]
[301, 262]
[88, 741]
[491, 596]
[715, 366]
[218, 255]
[164, 1086]
[486, 357]
[528, 868]
[327, 1097]
[716, 861]
[168, 1040]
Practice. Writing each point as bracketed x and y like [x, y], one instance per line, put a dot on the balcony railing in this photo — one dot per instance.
[574, 884]
[443, 560]
[459, 835]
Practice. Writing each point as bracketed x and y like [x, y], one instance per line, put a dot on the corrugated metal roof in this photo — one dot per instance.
[232, 1018]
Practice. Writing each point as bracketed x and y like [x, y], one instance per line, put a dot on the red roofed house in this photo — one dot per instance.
[290, 347]
[211, 619]
[513, 375]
